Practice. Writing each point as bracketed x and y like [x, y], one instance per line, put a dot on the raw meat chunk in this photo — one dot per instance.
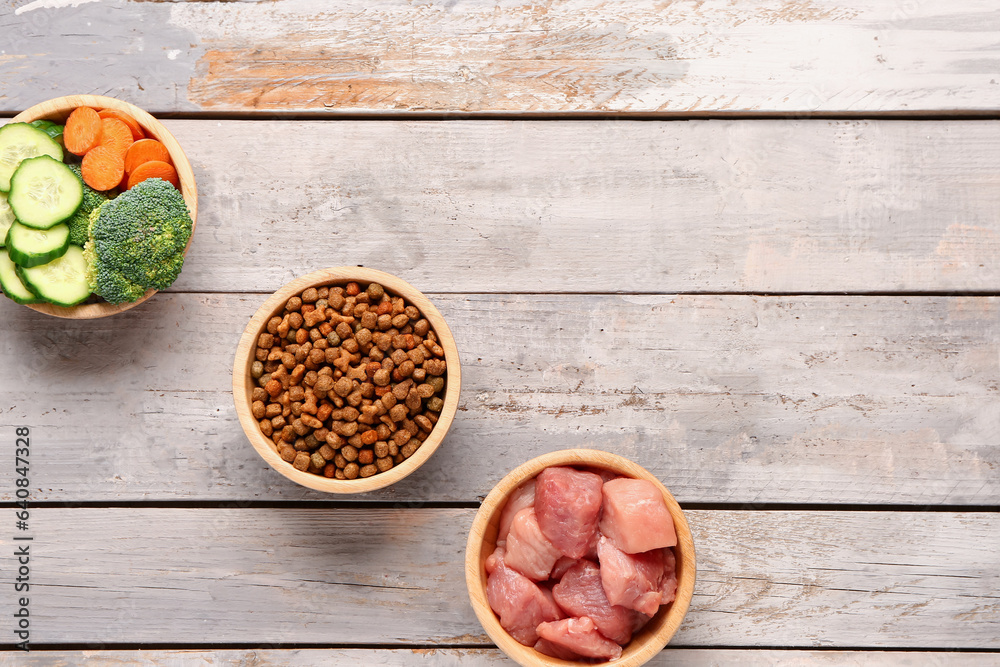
[528, 550]
[639, 621]
[580, 593]
[668, 585]
[568, 504]
[635, 516]
[559, 569]
[554, 650]
[521, 497]
[633, 580]
[605, 474]
[520, 603]
[494, 559]
[581, 636]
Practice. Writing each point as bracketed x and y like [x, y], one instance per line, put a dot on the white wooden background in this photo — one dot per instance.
[681, 57]
[751, 246]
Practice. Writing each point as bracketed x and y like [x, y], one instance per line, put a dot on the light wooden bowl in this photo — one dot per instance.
[243, 383]
[482, 541]
[58, 110]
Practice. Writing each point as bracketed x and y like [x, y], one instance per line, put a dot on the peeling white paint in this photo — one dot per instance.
[173, 53]
[50, 4]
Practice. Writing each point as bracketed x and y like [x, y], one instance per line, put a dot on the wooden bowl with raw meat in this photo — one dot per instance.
[580, 556]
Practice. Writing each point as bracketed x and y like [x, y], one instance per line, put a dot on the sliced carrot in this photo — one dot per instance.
[102, 168]
[116, 136]
[83, 130]
[145, 150]
[132, 123]
[154, 169]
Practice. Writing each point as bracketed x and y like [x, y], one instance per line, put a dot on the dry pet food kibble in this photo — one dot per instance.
[350, 380]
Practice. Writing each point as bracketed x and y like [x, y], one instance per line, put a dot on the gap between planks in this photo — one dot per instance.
[394, 116]
[206, 647]
[456, 656]
[777, 295]
[433, 505]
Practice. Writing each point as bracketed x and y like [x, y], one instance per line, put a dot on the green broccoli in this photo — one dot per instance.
[79, 222]
[137, 241]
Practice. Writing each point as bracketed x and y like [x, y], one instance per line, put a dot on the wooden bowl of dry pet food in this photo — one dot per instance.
[346, 380]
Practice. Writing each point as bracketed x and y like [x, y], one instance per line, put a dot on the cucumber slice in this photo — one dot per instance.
[29, 247]
[13, 288]
[19, 141]
[44, 192]
[6, 218]
[54, 130]
[62, 281]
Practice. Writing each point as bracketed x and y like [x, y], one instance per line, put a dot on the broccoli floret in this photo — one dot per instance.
[137, 241]
[80, 221]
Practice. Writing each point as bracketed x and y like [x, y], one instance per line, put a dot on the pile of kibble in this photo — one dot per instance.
[350, 381]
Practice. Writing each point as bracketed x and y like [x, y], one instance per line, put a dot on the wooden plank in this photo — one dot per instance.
[701, 206]
[874, 400]
[443, 657]
[650, 207]
[259, 576]
[565, 56]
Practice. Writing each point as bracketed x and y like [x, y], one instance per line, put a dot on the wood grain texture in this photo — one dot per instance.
[587, 206]
[874, 400]
[517, 57]
[443, 657]
[556, 252]
[262, 576]
[697, 206]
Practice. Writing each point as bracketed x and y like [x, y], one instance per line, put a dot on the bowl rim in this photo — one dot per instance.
[59, 108]
[243, 383]
[482, 536]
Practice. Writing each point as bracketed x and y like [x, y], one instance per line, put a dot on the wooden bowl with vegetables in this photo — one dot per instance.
[571, 552]
[346, 380]
[77, 174]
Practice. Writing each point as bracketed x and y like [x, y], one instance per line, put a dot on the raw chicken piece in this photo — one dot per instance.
[635, 516]
[521, 497]
[520, 603]
[568, 504]
[554, 650]
[633, 580]
[668, 585]
[580, 593]
[528, 550]
[581, 636]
